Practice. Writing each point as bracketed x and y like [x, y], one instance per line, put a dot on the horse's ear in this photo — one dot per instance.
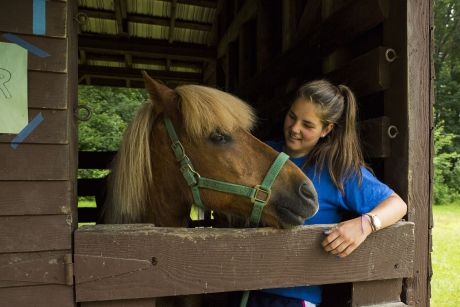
[159, 93]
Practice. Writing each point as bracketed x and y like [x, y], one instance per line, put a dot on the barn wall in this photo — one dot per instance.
[37, 179]
[381, 50]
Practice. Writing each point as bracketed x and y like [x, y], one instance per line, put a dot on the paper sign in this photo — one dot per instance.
[13, 88]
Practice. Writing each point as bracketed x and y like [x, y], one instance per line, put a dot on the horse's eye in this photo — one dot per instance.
[219, 138]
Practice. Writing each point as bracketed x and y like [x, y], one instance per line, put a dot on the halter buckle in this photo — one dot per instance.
[190, 175]
[178, 150]
[265, 192]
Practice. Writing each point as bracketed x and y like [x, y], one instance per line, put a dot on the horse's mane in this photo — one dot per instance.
[203, 110]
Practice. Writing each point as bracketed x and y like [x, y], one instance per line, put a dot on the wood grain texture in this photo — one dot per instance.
[16, 17]
[131, 261]
[149, 302]
[37, 296]
[366, 74]
[420, 138]
[52, 130]
[34, 162]
[35, 197]
[28, 269]
[47, 90]
[374, 137]
[375, 292]
[55, 47]
[349, 22]
[35, 233]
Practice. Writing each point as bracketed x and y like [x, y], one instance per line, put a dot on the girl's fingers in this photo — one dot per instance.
[340, 248]
[347, 251]
[331, 237]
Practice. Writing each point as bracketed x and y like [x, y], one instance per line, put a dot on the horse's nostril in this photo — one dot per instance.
[305, 191]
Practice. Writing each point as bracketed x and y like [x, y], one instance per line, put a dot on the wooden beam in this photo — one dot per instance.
[374, 137]
[351, 21]
[204, 3]
[172, 20]
[145, 47]
[147, 19]
[130, 261]
[120, 16]
[366, 74]
[377, 293]
[126, 73]
[248, 11]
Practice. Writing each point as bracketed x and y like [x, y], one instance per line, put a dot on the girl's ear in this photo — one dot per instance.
[161, 96]
[327, 129]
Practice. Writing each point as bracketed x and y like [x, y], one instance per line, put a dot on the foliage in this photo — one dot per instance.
[446, 167]
[445, 285]
[447, 103]
[112, 109]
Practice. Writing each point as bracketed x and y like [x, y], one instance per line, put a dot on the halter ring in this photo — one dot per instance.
[255, 197]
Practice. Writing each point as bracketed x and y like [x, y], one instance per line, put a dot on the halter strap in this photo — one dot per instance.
[259, 195]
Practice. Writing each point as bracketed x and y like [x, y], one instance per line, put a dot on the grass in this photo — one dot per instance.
[445, 285]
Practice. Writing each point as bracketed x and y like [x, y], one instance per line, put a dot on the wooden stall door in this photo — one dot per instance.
[37, 178]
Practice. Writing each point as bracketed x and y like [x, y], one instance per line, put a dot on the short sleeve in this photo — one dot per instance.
[365, 196]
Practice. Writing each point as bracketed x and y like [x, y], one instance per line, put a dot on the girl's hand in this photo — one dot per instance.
[344, 238]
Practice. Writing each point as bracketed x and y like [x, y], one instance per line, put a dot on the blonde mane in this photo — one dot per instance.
[203, 110]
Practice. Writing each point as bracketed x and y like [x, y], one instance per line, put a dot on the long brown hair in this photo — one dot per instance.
[340, 150]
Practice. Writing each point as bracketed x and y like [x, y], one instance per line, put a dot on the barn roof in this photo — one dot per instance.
[173, 40]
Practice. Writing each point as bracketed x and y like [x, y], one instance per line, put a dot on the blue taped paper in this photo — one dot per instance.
[24, 44]
[27, 130]
[39, 17]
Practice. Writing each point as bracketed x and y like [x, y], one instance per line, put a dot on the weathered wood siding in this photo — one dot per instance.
[37, 179]
[136, 261]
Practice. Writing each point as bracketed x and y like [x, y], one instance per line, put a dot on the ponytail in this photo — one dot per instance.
[340, 150]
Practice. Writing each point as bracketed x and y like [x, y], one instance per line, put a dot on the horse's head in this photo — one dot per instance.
[213, 129]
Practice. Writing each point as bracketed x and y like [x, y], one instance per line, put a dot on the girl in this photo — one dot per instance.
[320, 137]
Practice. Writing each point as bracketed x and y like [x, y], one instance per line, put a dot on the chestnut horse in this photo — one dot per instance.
[181, 138]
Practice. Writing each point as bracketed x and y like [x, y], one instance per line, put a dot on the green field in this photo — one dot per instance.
[445, 285]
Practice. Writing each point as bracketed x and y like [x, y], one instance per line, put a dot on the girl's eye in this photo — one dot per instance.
[219, 138]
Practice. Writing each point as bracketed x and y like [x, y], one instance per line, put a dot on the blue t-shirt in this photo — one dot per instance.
[358, 198]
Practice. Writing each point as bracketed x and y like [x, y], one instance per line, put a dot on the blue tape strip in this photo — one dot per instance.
[31, 48]
[39, 17]
[26, 131]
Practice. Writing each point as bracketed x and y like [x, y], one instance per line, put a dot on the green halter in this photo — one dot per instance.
[259, 195]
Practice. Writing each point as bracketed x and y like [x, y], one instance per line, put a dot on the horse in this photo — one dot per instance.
[193, 145]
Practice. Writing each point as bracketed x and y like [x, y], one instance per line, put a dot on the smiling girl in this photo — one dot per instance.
[320, 137]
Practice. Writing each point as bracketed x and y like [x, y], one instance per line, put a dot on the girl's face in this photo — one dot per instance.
[303, 128]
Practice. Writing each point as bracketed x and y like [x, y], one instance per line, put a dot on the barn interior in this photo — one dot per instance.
[258, 51]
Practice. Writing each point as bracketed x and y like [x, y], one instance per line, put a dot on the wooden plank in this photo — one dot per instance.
[351, 21]
[376, 292]
[134, 73]
[420, 138]
[146, 302]
[38, 296]
[366, 74]
[34, 162]
[107, 44]
[53, 129]
[16, 17]
[374, 137]
[35, 233]
[130, 261]
[95, 159]
[35, 197]
[55, 47]
[47, 90]
[245, 13]
[28, 269]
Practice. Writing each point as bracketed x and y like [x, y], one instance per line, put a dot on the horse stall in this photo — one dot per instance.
[260, 51]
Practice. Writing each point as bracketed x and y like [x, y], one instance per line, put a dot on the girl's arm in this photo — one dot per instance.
[343, 239]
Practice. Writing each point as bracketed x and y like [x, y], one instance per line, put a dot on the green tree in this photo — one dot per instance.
[111, 111]
[447, 99]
